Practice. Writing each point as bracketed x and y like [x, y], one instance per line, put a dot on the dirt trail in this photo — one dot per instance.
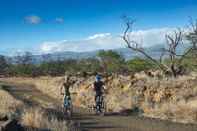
[89, 122]
[29, 95]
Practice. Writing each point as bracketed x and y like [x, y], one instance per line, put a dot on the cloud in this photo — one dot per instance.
[106, 41]
[48, 47]
[98, 36]
[151, 37]
[33, 19]
[59, 20]
[95, 42]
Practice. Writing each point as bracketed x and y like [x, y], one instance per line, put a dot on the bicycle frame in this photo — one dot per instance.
[67, 106]
[100, 104]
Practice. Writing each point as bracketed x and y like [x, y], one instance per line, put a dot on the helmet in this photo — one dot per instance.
[98, 77]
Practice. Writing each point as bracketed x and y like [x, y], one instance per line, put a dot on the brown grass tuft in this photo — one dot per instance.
[9, 104]
[32, 118]
[35, 119]
[165, 98]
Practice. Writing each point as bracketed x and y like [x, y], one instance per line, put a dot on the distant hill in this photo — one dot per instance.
[154, 51]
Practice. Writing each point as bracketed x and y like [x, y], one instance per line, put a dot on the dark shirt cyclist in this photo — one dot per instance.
[98, 86]
[66, 87]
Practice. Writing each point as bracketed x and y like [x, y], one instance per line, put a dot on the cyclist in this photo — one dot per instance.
[99, 90]
[67, 97]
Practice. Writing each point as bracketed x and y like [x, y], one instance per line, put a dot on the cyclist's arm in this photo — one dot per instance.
[93, 87]
[104, 87]
[61, 89]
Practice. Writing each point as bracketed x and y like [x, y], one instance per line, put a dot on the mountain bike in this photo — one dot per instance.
[100, 105]
[67, 106]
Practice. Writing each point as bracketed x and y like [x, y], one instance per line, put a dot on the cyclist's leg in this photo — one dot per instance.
[66, 102]
[97, 99]
[69, 107]
[102, 101]
[99, 103]
[64, 105]
[69, 103]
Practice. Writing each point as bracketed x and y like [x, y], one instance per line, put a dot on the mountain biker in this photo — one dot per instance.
[66, 87]
[98, 87]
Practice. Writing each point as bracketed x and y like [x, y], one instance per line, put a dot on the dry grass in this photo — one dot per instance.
[47, 85]
[165, 98]
[171, 99]
[9, 105]
[32, 118]
[36, 119]
[173, 112]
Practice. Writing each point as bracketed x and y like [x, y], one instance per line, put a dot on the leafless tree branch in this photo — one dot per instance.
[134, 45]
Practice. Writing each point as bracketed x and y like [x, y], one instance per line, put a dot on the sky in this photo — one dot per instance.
[46, 26]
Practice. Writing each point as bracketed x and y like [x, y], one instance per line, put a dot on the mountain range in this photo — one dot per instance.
[153, 51]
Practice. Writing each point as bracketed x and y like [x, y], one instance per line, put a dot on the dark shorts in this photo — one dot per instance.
[98, 94]
[67, 101]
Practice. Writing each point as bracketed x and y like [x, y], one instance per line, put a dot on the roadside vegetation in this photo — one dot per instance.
[31, 118]
[9, 105]
[154, 96]
[35, 119]
[106, 62]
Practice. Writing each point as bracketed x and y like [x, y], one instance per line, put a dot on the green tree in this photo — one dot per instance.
[89, 65]
[139, 64]
[24, 65]
[3, 65]
[111, 61]
[53, 68]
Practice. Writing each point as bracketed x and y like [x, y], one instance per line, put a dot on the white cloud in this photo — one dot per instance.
[59, 20]
[52, 46]
[33, 19]
[106, 41]
[152, 36]
[98, 36]
[98, 41]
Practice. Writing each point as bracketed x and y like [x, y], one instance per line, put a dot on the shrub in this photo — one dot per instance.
[139, 64]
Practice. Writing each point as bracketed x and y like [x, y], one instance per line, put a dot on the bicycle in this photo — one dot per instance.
[67, 106]
[100, 107]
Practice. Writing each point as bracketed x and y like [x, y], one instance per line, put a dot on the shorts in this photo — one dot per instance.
[67, 101]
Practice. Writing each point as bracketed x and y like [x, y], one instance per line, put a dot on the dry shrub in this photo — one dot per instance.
[35, 119]
[158, 97]
[48, 85]
[174, 112]
[9, 104]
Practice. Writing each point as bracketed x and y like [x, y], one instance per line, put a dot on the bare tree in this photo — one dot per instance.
[192, 35]
[175, 60]
[134, 45]
[173, 41]
[192, 38]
